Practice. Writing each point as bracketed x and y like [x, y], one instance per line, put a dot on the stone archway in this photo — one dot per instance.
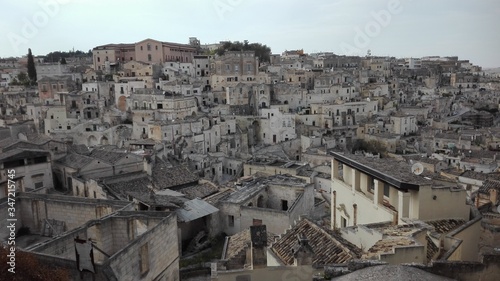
[104, 140]
[92, 141]
[22, 136]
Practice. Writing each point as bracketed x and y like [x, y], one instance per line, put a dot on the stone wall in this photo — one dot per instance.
[63, 247]
[4, 215]
[163, 254]
[122, 237]
[276, 221]
[33, 209]
[316, 159]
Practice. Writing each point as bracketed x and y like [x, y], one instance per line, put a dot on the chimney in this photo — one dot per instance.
[258, 248]
[303, 254]
[148, 166]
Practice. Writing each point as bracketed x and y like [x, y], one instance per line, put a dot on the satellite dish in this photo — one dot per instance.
[417, 168]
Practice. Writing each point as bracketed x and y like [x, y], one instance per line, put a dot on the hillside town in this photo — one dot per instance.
[156, 160]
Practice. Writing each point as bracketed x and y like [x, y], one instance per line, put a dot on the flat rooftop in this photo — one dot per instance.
[396, 173]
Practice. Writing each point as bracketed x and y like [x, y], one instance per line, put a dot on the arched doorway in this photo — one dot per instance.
[260, 201]
[92, 141]
[104, 140]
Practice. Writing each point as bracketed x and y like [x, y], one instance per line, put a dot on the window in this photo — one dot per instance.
[230, 220]
[386, 190]
[284, 205]
[343, 222]
[256, 222]
[149, 57]
[144, 258]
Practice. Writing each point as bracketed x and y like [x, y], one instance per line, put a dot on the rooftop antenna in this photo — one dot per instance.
[417, 168]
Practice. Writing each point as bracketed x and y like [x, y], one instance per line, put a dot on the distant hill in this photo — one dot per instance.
[492, 70]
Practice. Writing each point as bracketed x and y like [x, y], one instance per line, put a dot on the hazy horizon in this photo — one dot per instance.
[398, 28]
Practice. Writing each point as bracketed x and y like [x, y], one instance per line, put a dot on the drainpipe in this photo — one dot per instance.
[355, 207]
[333, 206]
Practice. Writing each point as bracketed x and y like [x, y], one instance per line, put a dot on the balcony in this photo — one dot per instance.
[373, 212]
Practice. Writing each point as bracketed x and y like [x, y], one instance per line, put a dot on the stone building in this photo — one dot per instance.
[148, 51]
[404, 124]
[125, 246]
[233, 67]
[275, 201]
[377, 190]
[98, 164]
[50, 88]
[276, 126]
[31, 169]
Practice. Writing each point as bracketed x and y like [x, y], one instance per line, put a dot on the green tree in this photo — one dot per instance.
[57, 56]
[21, 80]
[63, 61]
[31, 68]
[261, 51]
[370, 146]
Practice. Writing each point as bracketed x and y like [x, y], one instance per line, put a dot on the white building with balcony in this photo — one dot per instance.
[368, 190]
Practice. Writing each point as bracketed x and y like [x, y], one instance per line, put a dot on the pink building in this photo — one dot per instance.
[148, 50]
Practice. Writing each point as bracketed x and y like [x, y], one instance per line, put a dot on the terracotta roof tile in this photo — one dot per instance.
[432, 249]
[445, 225]
[199, 191]
[489, 184]
[171, 177]
[241, 240]
[328, 248]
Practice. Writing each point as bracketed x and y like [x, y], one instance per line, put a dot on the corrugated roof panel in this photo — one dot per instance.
[194, 209]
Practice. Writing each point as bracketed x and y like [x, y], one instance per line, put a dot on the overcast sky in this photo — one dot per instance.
[402, 28]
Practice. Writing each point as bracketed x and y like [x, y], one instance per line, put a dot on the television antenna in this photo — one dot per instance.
[417, 168]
